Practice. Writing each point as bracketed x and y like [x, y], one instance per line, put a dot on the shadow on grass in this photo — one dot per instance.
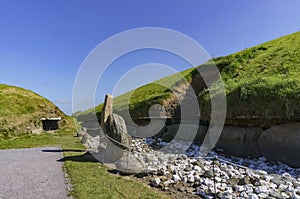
[86, 157]
[62, 150]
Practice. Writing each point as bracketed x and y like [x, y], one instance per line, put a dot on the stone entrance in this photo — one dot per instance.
[50, 124]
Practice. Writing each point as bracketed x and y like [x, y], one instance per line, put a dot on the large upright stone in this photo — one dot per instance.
[107, 110]
[115, 129]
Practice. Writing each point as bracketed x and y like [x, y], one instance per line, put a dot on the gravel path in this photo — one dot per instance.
[32, 173]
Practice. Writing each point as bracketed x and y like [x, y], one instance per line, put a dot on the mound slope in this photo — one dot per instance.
[262, 85]
[21, 110]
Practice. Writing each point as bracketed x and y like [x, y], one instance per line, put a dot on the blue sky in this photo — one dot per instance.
[43, 43]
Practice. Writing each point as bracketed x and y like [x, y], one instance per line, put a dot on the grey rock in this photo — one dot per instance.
[248, 188]
[295, 196]
[85, 138]
[252, 196]
[168, 182]
[108, 153]
[208, 174]
[37, 131]
[188, 169]
[282, 187]
[199, 163]
[239, 188]
[155, 182]
[277, 180]
[93, 142]
[107, 110]
[191, 179]
[284, 195]
[81, 132]
[115, 128]
[176, 177]
[263, 195]
[150, 170]
[129, 164]
[261, 189]
[274, 193]
[232, 181]
[171, 168]
[148, 158]
[189, 189]
[244, 181]
[244, 195]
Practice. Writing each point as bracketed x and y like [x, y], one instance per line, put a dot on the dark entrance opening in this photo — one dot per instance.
[50, 124]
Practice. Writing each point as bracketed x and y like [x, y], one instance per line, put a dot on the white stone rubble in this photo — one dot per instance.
[234, 177]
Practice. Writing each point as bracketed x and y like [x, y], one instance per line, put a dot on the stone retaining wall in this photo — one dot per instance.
[278, 143]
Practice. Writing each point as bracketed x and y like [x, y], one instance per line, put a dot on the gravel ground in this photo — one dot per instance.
[32, 173]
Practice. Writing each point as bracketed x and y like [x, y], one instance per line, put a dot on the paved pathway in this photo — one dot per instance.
[32, 173]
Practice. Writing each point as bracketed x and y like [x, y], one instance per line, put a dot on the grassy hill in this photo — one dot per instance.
[262, 83]
[21, 110]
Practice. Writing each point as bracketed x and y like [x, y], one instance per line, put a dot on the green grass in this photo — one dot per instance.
[90, 179]
[262, 81]
[139, 101]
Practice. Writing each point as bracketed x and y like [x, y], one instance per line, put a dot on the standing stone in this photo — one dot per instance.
[85, 138]
[118, 142]
[107, 110]
[115, 128]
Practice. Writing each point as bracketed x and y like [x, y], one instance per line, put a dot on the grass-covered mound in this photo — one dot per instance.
[262, 82]
[141, 99]
[21, 110]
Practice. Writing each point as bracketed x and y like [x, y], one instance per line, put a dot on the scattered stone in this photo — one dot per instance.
[239, 188]
[252, 196]
[155, 182]
[85, 138]
[208, 174]
[191, 179]
[93, 142]
[187, 169]
[37, 131]
[244, 181]
[168, 182]
[176, 177]
[194, 175]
